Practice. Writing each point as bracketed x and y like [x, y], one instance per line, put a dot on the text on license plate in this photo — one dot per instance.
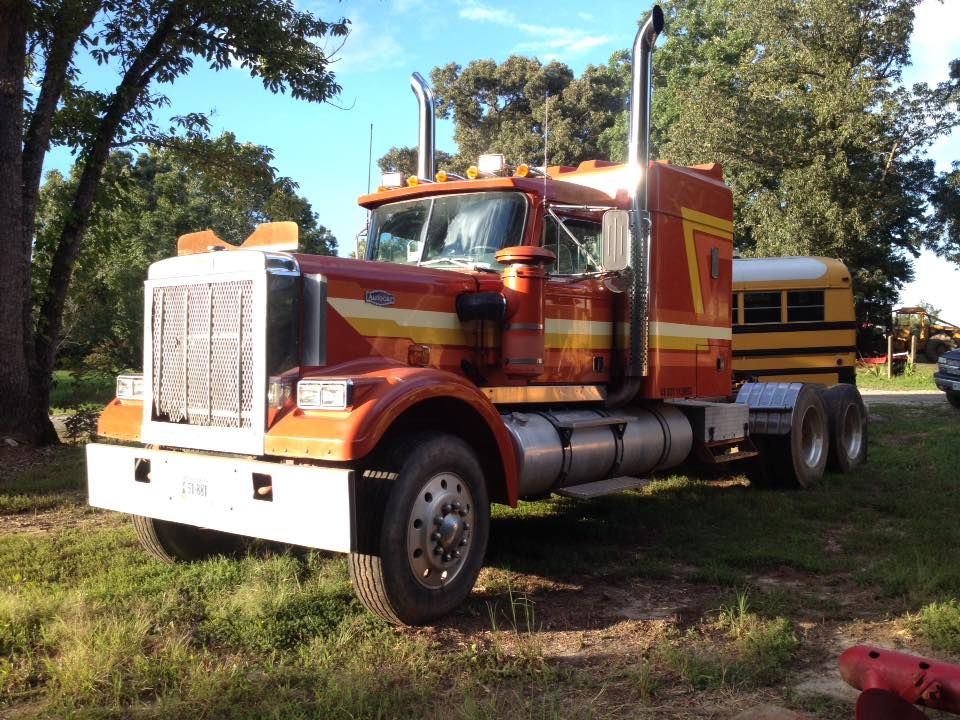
[193, 488]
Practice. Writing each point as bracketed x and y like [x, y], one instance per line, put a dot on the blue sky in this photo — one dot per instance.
[325, 148]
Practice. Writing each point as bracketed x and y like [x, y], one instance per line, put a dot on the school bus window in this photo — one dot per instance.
[735, 308]
[805, 306]
[761, 307]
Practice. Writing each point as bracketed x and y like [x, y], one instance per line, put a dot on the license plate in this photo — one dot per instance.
[194, 488]
[956, 385]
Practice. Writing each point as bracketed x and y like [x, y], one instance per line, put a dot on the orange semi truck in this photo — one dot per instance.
[509, 335]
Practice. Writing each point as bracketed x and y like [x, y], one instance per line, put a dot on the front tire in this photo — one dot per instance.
[172, 542]
[430, 535]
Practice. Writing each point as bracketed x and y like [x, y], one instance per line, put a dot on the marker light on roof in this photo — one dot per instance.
[413, 181]
[392, 180]
[473, 172]
[522, 170]
[441, 176]
[493, 164]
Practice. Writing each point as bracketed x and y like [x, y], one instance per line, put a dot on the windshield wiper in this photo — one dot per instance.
[459, 262]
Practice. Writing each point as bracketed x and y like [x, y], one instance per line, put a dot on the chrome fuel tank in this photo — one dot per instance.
[572, 447]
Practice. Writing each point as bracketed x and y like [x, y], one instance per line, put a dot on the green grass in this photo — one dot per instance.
[56, 483]
[91, 627]
[71, 390]
[939, 624]
[918, 377]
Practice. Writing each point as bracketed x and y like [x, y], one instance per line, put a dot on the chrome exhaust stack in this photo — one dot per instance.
[425, 148]
[638, 160]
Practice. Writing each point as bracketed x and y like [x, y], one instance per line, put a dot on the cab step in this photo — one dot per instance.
[602, 487]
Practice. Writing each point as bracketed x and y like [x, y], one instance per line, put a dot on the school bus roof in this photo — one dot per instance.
[789, 272]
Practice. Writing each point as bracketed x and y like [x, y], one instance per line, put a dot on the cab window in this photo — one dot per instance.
[575, 255]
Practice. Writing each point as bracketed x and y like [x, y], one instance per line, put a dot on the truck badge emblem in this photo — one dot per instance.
[380, 297]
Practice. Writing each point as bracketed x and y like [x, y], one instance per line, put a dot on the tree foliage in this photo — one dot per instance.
[44, 101]
[404, 159]
[522, 108]
[144, 203]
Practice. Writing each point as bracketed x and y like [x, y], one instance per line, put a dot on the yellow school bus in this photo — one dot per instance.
[793, 320]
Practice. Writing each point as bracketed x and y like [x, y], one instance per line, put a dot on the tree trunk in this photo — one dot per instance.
[19, 416]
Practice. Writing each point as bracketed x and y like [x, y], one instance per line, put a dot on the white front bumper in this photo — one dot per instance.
[310, 506]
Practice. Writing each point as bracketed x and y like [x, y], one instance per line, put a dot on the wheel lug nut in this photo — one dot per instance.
[456, 553]
[466, 526]
[463, 513]
[463, 542]
[446, 557]
[445, 509]
[456, 506]
[435, 536]
[437, 520]
[438, 550]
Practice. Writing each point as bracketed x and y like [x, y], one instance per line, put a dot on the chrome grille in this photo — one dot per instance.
[203, 354]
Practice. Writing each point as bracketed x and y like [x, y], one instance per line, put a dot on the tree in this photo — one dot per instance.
[522, 108]
[143, 204]
[404, 159]
[825, 150]
[150, 43]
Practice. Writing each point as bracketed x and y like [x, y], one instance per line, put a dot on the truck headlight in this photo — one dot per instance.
[324, 394]
[130, 387]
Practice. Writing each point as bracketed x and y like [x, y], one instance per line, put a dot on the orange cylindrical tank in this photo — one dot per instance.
[524, 278]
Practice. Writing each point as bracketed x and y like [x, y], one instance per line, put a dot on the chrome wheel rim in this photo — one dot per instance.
[440, 530]
[811, 437]
[851, 430]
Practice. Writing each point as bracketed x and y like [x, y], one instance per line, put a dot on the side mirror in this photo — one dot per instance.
[615, 242]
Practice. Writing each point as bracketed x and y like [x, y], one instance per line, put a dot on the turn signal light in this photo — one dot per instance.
[130, 387]
[418, 355]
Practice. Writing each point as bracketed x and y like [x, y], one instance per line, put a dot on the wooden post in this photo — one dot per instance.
[913, 351]
[889, 356]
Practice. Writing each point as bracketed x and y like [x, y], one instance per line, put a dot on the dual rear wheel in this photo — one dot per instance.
[828, 430]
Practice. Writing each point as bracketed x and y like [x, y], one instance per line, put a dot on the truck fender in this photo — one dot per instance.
[385, 396]
[771, 406]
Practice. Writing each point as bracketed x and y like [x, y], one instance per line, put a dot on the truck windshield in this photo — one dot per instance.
[447, 230]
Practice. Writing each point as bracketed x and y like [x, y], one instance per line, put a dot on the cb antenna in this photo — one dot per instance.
[546, 137]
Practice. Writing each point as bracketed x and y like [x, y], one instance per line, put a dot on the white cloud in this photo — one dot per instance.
[367, 50]
[482, 13]
[586, 16]
[553, 42]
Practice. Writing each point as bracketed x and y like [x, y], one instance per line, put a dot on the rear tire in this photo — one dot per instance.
[799, 459]
[847, 417]
[954, 399]
[172, 542]
[937, 346]
[425, 545]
